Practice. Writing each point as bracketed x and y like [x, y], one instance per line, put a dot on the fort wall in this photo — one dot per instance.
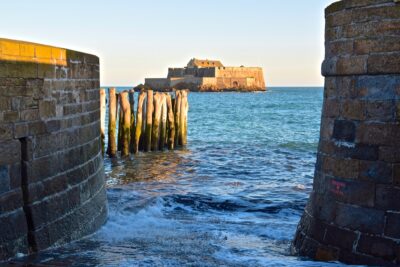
[52, 187]
[353, 214]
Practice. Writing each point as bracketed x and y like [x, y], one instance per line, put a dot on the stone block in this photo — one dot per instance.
[13, 225]
[21, 129]
[47, 187]
[11, 201]
[352, 110]
[377, 45]
[47, 109]
[377, 246]
[353, 65]
[344, 130]
[15, 175]
[10, 152]
[378, 133]
[357, 151]
[6, 131]
[366, 220]
[340, 18]
[37, 127]
[384, 64]
[389, 154]
[29, 115]
[376, 171]
[392, 228]
[387, 197]
[343, 168]
[5, 103]
[339, 48]
[42, 168]
[355, 192]
[4, 179]
[330, 108]
[396, 174]
[384, 111]
[340, 238]
[11, 116]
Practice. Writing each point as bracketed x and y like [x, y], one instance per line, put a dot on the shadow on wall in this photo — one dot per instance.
[52, 186]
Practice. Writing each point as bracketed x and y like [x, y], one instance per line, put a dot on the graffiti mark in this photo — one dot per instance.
[337, 187]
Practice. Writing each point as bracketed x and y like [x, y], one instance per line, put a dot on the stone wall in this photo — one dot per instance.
[52, 186]
[353, 214]
[229, 75]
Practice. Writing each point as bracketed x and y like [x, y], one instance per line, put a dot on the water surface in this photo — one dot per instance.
[232, 197]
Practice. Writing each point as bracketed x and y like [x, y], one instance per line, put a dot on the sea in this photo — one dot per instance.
[232, 197]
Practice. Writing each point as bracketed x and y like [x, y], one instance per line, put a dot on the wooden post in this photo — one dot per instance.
[112, 146]
[163, 125]
[102, 118]
[120, 120]
[155, 136]
[132, 133]
[183, 118]
[144, 116]
[125, 124]
[171, 123]
[139, 121]
[178, 100]
[149, 120]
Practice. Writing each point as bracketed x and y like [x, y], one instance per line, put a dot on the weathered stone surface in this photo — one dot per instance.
[344, 130]
[377, 246]
[355, 198]
[392, 228]
[366, 220]
[52, 185]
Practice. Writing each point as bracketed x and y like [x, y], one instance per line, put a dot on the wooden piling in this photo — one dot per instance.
[183, 117]
[155, 132]
[125, 123]
[132, 133]
[112, 118]
[139, 121]
[102, 118]
[163, 125]
[171, 123]
[149, 120]
[120, 120]
[178, 101]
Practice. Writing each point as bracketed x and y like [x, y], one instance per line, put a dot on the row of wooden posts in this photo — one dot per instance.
[160, 121]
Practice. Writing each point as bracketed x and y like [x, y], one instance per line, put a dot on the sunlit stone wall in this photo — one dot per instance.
[353, 214]
[52, 186]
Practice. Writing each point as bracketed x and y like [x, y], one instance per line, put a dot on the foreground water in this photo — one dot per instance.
[232, 197]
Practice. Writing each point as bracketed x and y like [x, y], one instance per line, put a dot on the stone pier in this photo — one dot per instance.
[353, 214]
[52, 187]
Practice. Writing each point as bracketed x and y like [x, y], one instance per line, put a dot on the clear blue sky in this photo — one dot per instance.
[138, 39]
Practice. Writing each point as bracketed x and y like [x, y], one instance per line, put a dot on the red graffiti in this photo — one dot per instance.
[337, 187]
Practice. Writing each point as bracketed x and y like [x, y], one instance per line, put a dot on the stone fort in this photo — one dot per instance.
[210, 75]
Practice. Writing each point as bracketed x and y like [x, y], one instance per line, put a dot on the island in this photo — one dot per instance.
[210, 76]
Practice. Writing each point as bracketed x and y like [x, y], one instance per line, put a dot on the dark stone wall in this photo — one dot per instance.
[52, 187]
[353, 214]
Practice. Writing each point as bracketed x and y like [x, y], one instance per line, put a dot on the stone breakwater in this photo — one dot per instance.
[353, 214]
[52, 187]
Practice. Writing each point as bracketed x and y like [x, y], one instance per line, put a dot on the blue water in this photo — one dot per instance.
[232, 197]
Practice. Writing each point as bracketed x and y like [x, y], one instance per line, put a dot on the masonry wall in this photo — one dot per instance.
[52, 186]
[353, 214]
[228, 75]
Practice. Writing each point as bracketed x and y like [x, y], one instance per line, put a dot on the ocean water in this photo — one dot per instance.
[232, 197]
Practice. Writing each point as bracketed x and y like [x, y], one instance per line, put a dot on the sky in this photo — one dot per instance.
[137, 39]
